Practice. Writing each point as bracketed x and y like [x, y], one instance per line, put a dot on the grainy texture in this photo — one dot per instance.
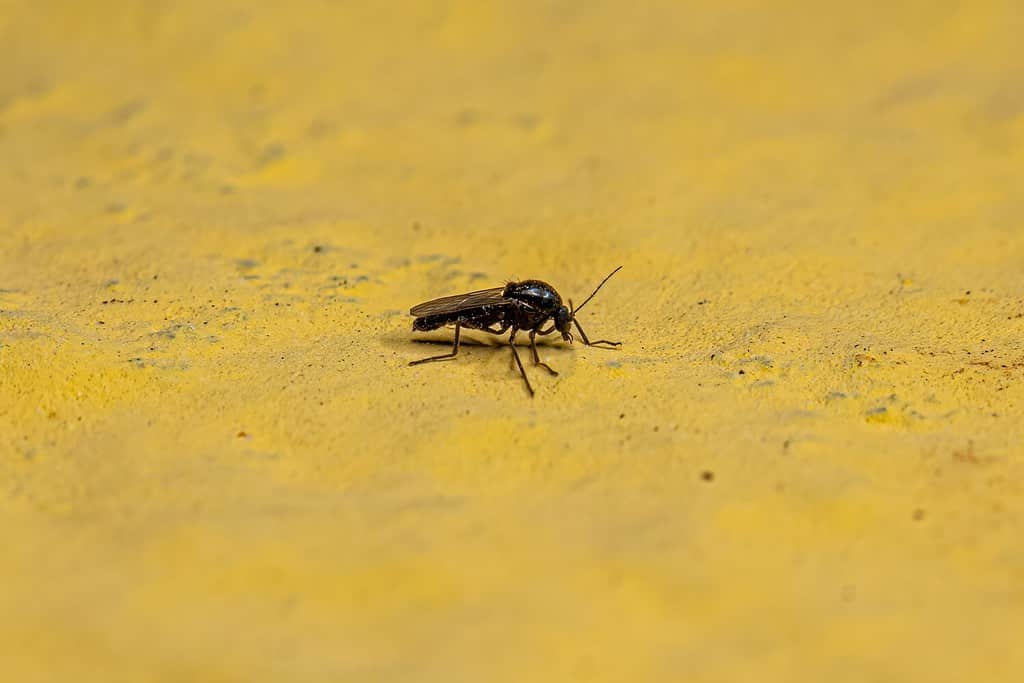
[804, 464]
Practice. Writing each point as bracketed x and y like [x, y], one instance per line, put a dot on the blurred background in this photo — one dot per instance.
[803, 464]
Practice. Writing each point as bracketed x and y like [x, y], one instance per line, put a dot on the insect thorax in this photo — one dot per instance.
[536, 294]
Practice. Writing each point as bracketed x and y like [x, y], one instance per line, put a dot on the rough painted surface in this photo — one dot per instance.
[804, 464]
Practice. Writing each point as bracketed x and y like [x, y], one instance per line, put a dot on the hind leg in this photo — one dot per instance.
[447, 356]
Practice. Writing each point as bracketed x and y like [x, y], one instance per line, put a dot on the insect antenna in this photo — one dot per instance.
[574, 311]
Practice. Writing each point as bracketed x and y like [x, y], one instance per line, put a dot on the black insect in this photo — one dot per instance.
[526, 305]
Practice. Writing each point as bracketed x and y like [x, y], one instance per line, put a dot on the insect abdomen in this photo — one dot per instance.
[431, 322]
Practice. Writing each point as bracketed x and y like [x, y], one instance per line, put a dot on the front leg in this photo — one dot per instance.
[536, 356]
[599, 342]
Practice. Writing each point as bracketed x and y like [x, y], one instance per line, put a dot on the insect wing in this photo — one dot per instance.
[460, 302]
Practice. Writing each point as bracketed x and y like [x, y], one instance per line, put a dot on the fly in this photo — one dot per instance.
[518, 306]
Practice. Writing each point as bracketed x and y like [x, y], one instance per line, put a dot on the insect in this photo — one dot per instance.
[520, 306]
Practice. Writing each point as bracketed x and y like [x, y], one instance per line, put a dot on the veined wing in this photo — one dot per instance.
[460, 302]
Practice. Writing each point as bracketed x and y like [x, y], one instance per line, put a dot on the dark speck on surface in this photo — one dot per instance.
[527, 121]
[126, 112]
[271, 153]
[707, 475]
[467, 117]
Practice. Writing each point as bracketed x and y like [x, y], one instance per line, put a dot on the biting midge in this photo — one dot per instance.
[525, 306]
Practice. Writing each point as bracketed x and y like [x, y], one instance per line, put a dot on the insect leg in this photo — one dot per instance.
[515, 354]
[500, 330]
[455, 351]
[599, 342]
[536, 356]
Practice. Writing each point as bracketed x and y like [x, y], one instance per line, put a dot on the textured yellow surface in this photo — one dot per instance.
[804, 464]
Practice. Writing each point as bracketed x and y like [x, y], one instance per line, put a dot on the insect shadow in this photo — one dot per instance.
[527, 306]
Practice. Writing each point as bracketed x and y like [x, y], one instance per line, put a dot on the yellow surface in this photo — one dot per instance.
[804, 464]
